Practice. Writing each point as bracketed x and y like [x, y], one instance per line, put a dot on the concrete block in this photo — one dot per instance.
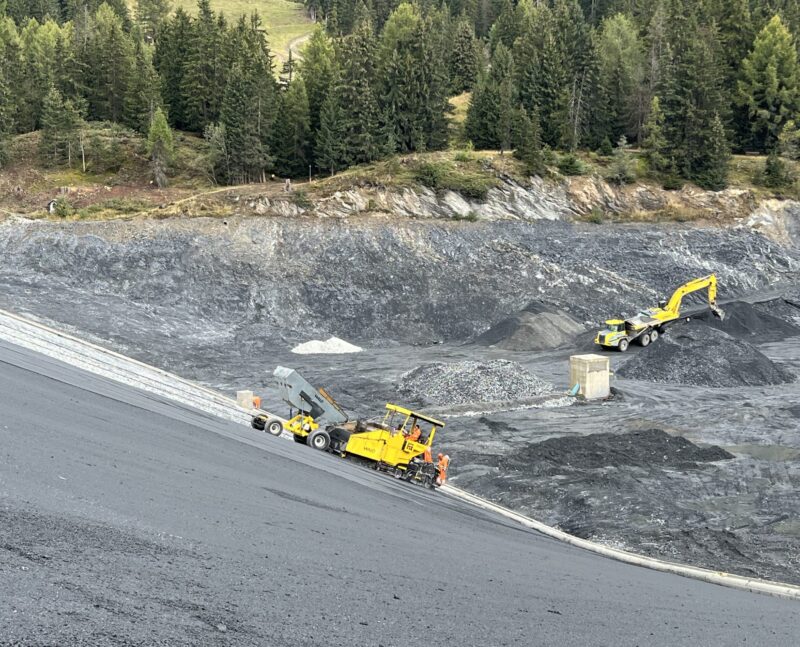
[244, 399]
[592, 373]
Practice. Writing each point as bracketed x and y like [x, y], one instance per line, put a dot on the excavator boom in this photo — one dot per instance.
[673, 307]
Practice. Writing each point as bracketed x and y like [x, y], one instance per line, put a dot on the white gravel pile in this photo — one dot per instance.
[472, 382]
[332, 346]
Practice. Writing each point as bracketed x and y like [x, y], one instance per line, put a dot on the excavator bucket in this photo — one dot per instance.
[718, 312]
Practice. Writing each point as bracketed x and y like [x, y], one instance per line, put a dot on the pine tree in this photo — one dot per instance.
[714, 173]
[292, 131]
[529, 147]
[464, 58]
[160, 147]
[622, 170]
[506, 28]
[6, 115]
[654, 145]
[52, 137]
[770, 83]
[110, 53]
[38, 46]
[490, 116]
[355, 97]
[170, 59]
[329, 149]
[319, 71]
[622, 68]
[789, 141]
[151, 16]
[144, 96]
[203, 71]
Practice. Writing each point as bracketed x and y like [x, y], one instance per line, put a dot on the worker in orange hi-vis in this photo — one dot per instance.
[427, 456]
[441, 468]
[416, 432]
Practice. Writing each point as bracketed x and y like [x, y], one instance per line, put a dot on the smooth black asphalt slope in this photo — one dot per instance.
[125, 519]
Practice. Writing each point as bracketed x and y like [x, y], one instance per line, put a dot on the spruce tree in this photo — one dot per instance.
[319, 71]
[144, 96]
[654, 145]
[6, 116]
[110, 59]
[770, 83]
[355, 97]
[714, 173]
[622, 69]
[529, 147]
[464, 59]
[151, 16]
[170, 59]
[291, 147]
[51, 140]
[160, 147]
[329, 148]
[506, 28]
[203, 74]
[490, 116]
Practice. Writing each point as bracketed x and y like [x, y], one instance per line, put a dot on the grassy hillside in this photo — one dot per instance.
[287, 22]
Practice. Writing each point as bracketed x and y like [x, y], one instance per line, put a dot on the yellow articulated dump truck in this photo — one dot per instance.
[400, 443]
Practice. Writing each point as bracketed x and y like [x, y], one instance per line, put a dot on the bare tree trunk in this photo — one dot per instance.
[83, 152]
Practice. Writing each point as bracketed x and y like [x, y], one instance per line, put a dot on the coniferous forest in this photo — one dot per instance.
[688, 82]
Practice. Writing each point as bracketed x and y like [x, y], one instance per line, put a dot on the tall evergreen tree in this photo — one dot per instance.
[204, 69]
[529, 147]
[160, 147]
[291, 132]
[329, 149]
[770, 83]
[355, 97]
[490, 116]
[151, 16]
[654, 145]
[319, 70]
[622, 69]
[464, 58]
[170, 59]
[143, 97]
[111, 63]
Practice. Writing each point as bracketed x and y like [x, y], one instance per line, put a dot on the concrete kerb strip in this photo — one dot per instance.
[107, 363]
[777, 589]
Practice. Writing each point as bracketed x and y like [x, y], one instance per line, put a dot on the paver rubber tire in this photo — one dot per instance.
[653, 336]
[319, 440]
[623, 346]
[645, 341]
[275, 428]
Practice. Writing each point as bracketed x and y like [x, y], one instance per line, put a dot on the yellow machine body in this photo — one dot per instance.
[387, 442]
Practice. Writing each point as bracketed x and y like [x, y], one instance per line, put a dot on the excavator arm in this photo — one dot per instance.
[673, 307]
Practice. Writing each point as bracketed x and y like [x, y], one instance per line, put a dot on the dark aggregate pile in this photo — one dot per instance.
[700, 355]
[538, 327]
[637, 448]
[754, 323]
[471, 382]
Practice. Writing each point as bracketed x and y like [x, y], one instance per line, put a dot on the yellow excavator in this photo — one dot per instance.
[647, 326]
[400, 443]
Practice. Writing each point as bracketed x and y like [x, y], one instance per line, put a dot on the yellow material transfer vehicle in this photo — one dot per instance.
[647, 326]
[400, 443]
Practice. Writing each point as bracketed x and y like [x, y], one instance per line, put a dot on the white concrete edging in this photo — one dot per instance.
[115, 366]
[722, 578]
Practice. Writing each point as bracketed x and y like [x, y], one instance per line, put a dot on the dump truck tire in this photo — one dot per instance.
[623, 346]
[275, 428]
[645, 340]
[653, 336]
[319, 440]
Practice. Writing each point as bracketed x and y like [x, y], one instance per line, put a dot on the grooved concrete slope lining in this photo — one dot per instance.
[129, 520]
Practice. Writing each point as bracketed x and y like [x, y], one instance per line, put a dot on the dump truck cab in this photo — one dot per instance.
[610, 336]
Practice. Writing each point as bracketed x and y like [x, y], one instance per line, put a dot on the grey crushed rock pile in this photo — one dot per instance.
[650, 447]
[538, 327]
[471, 382]
[761, 323]
[699, 355]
